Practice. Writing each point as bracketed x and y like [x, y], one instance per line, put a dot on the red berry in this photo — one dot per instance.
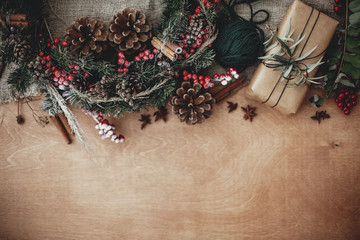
[347, 112]
[70, 66]
[202, 82]
[48, 65]
[201, 77]
[155, 50]
[137, 59]
[193, 45]
[147, 52]
[151, 56]
[56, 41]
[87, 75]
[65, 43]
[192, 50]
[196, 80]
[41, 53]
[74, 72]
[176, 75]
[126, 63]
[76, 67]
[145, 58]
[353, 96]
[141, 54]
[189, 76]
[185, 78]
[53, 68]
[210, 45]
[206, 85]
[216, 75]
[194, 76]
[121, 55]
[347, 93]
[341, 95]
[125, 70]
[119, 70]
[41, 35]
[354, 103]
[57, 73]
[340, 104]
[184, 72]
[121, 61]
[345, 109]
[207, 79]
[48, 58]
[70, 77]
[336, 8]
[197, 11]
[187, 55]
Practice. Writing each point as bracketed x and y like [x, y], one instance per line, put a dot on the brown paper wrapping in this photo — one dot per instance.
[265, 79]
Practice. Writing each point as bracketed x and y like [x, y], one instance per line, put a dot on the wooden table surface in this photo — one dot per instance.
[279, 177]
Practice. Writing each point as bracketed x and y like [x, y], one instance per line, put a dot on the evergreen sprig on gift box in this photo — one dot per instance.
[284, 59]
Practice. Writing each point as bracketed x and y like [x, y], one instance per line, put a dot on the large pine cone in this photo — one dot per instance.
[129, 30]
[87, 34]
[190, 104]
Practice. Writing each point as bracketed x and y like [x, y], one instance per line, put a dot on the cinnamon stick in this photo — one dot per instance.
[61, 129]
[174, 47]
[166, 50]
[65, 123]
[228, 90]
[18, 17]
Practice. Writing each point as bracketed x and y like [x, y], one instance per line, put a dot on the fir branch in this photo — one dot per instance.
[20, 80]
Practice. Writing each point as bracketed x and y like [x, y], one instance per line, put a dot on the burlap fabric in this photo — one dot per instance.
[61, 13]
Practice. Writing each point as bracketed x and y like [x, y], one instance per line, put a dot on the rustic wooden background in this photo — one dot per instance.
[279, 177]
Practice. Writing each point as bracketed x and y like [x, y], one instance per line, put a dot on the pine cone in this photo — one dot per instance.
[87, 34]
[38, 69]
[128, 88]
[190, 104]
[21, 50]
[80, 84]
[129, 30]
[100, 89]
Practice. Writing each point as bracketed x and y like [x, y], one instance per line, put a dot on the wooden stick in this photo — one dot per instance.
[61, 129]
[228, 90]
[2, 66]
[65, 123]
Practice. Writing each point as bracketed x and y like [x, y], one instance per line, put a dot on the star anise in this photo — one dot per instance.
[145, 119]
[249, 112]
[232, 106]
[161, 113]
[320, 115]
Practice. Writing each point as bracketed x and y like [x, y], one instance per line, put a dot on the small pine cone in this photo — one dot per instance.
[87, 34]
[130, 30]
[190, 104]
[79, 84]
[21, 50]
[128, 88]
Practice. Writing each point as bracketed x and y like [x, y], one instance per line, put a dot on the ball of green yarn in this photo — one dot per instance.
[239, 44]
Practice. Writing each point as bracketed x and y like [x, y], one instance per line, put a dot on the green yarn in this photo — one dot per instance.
[240, 42]
[239, 45]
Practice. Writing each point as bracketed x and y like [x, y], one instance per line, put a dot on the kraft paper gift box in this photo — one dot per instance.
[266, 85]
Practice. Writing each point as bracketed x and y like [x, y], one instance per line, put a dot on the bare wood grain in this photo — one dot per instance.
[278, 177]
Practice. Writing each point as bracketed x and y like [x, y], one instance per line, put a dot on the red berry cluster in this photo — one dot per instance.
[210, 3]
[199, 32]
[346, 99]
[62, 79]
[106, 130]
[338, 6]
[142, 56]
[208, 81]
